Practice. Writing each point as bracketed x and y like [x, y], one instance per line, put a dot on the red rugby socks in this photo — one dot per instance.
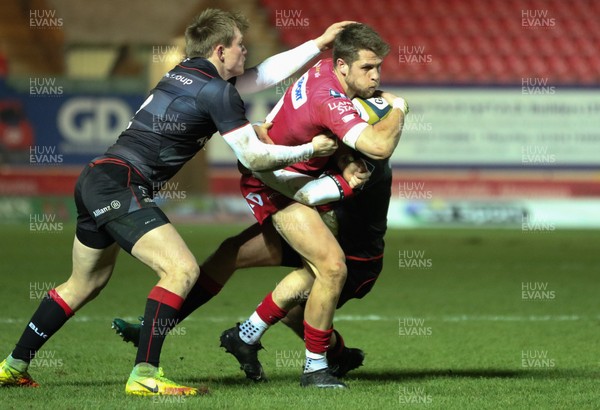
[266, 314]
[160, 316]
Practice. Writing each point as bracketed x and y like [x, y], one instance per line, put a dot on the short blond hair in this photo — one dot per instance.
[211, 28]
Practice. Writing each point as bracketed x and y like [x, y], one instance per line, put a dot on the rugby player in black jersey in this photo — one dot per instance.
[114, 192]
[361, 227]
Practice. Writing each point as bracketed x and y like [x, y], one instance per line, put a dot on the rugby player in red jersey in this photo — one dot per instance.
[320, 101]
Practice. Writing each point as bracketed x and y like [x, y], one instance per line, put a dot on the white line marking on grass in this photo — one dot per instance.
[467, 318]
[509, 318]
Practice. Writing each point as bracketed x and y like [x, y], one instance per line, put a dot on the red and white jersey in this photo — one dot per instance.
[313, 105]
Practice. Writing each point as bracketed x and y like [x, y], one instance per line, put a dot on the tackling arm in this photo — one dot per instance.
[258, 156]
[306, 189]
[283, 65]
[276, 68]
[329, 187]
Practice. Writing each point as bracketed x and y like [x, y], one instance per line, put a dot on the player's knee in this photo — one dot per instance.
[95, 290]
[335, 272]
[181, 268]
[186, 271]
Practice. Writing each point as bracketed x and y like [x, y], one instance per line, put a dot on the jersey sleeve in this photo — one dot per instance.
[340, 116]
[224, 106]
[276, 68]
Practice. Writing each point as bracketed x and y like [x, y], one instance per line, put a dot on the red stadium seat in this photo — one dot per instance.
[470, 41]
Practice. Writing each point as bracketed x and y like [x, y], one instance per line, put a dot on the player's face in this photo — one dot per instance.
[364, 74]
[235, 55]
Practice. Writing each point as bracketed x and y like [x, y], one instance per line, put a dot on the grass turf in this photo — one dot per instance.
[455, 330]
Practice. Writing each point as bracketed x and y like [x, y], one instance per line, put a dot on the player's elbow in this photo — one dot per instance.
[253, 162]
[260, 165]
[379, 151]
[246, 162]
[375, 148]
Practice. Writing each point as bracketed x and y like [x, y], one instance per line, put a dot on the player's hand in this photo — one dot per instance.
[325, 40]
[323, 146]
[389, 97]
[356, 173]
[262, 132]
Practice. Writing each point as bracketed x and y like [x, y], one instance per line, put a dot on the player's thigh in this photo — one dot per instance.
[163, 250]
[92, 268]
[303, 228]
[88, 262]
[256, 246]
[253, 247]
[94, 252]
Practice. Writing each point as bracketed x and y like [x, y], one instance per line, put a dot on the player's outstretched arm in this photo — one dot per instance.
[280, 66]
[311, 191]
[379, 141]
[258, 156]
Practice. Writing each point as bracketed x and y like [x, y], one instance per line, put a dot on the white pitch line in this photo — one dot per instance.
[355, 318]
[508, 318]
[466, 318]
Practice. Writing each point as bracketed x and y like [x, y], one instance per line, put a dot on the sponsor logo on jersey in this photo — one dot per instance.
[181, 78]
[254, 197]
[348, 118]
[336, 94]
[342, 106]
[299, 94]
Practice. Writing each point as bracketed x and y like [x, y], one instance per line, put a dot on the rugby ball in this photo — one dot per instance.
[372, 109]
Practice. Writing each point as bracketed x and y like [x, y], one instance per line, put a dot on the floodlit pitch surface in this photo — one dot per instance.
[459, 319]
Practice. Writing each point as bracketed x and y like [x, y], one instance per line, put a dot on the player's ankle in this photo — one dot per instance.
[144, 370]
[314, 362]
[17, 364]
[252, 329]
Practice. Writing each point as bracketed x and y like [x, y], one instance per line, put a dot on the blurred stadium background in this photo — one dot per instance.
[504, 132]
[504, 127]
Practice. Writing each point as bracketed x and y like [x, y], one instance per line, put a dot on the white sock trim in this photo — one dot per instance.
[314, 362]
[252, 329]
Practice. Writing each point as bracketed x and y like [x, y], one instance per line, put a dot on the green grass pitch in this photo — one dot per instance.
[459, 319]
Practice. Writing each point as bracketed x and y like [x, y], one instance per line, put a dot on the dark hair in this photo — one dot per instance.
[211, 28]
[355, 37]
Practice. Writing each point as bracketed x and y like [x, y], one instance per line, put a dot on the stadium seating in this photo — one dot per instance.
[469, 41]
